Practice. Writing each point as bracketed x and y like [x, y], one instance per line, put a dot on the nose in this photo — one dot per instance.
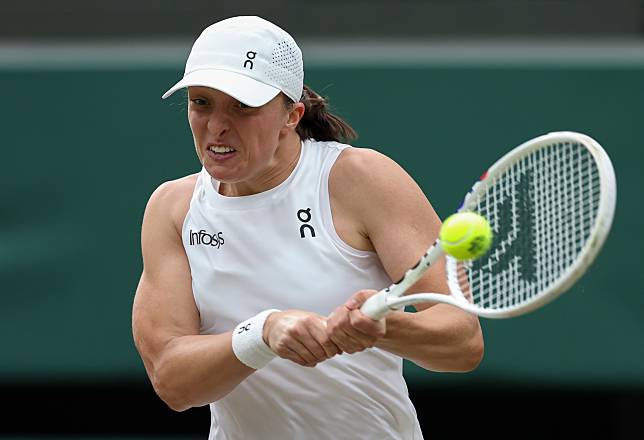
[218, 123]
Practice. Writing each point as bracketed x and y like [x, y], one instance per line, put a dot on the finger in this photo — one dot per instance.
[290, 344]
[285, 352]
[308, 350]
[363, 339]
[339, 317]
[300, 339]
[314, 345]
[358, 299]
[306, 335]
[340, 331]
[312, 342]
[366, 326]
[320, 335]
[359, 338]
[345, 341]
[295, 357]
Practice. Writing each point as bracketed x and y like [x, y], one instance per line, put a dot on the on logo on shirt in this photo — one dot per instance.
[304, 215]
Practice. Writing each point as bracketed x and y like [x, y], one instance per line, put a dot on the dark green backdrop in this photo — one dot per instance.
[82, 150]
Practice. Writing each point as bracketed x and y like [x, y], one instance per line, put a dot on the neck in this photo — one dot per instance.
[278, 170]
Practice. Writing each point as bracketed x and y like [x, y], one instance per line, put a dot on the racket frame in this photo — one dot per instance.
[390, 298]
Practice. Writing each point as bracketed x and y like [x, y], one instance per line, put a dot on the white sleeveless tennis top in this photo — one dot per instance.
[279, 249]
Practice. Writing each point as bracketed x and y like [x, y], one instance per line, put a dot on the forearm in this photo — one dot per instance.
[441, 338]
[197, 370]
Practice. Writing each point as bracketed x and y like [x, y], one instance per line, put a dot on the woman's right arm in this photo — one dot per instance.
[186, 369]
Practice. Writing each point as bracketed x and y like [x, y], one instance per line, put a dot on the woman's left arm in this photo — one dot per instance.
[388, 209]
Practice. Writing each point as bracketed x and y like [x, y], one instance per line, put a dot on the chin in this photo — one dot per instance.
[221, 174]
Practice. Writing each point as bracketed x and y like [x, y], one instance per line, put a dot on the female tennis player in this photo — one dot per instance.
[255, 267]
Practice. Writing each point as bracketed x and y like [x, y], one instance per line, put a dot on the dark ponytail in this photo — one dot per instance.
[320, 124]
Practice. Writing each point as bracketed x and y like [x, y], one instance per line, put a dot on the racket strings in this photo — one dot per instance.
[542, 210]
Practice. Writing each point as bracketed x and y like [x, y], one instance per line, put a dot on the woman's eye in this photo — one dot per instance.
[198, 101]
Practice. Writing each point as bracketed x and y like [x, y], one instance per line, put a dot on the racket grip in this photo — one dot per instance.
[376, 306]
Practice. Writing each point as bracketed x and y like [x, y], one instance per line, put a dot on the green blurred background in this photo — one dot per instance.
[83, 149]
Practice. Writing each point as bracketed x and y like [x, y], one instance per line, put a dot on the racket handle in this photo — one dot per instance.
[376, 306]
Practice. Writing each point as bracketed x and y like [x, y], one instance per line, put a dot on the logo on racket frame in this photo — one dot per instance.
[517, 203]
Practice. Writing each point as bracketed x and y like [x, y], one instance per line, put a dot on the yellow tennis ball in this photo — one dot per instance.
[466, 235]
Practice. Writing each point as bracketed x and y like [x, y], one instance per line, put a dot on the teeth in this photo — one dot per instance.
[221, 149]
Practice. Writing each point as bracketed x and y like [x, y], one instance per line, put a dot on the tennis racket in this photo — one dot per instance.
[550, 203]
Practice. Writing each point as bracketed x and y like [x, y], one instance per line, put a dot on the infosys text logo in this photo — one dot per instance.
[203, 237]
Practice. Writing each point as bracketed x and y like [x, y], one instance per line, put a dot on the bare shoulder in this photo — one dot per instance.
[171, 199]
[360, 162]
[376, 197]
[360, 172]
[368, 191]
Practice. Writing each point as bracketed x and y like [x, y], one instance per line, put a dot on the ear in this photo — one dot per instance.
[294, 115]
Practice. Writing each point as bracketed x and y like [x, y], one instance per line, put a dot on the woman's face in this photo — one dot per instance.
[234, 142]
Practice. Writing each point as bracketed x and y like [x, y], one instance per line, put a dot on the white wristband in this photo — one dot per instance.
[248, 341]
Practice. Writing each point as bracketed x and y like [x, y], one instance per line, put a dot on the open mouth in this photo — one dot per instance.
[221, 151]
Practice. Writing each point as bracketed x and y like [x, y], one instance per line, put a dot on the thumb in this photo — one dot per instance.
[357, 299]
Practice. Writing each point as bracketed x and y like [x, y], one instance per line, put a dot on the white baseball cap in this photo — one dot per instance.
[248, 58]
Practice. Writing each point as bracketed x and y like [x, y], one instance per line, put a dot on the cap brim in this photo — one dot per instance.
[244, 89]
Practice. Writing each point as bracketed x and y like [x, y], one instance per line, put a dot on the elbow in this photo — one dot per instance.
[473, 349]
[466, 351]
[473, 354]
[461, 355]
[169, 391]
[467, 360]
[170, 396]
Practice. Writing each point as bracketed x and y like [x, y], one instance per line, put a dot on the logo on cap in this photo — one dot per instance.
[250, 55]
